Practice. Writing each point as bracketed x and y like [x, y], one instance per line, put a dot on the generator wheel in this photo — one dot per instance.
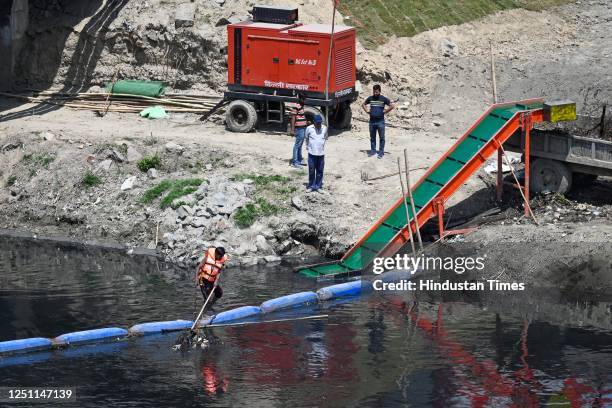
[241, 116]
[341, 117]
[550, 176]
[311, 112]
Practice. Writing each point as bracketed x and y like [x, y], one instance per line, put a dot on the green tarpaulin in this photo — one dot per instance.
[154, 112]
[129, 87]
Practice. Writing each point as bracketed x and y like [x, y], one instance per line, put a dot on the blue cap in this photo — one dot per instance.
[318, 119]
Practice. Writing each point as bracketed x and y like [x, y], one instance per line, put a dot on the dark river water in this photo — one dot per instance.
[370, 352]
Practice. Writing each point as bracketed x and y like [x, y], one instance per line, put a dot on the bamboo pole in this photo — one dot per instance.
[399, 170]
[493, 79]
[329, 59]
[517, 183]
[416, 219]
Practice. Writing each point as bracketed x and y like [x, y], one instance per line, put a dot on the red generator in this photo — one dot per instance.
[272, 58]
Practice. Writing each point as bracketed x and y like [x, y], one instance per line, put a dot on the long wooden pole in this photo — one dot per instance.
[290, 319]
[399, 170]
[493, 79]
[517, 183]
[416, 219]
[329, 59]
[500, 176]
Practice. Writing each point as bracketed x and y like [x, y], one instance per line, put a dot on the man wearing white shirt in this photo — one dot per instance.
[316, 135]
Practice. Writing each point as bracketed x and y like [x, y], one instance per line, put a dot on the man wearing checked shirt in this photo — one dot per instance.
[379, 106]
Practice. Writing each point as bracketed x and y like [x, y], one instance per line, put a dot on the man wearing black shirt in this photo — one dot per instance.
[379, 106]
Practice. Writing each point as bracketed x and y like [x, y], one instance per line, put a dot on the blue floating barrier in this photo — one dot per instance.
[340, 290]
[24, 345]
[159, 327]
[90, 335]
[236, 314]
[289, 301]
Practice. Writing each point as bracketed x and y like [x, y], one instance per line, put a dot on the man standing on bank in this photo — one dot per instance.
[379, 106]
[316, 135]
[298, 128]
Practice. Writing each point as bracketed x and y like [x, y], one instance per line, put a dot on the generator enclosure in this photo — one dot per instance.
[287, 59]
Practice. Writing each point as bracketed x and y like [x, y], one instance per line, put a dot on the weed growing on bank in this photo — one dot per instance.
[90, 180]
[174, 189]
[149, 162]
[245, 217]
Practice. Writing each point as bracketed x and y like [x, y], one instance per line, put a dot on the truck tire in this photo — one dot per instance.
[341, 117]
[241, 116]
[311, 112]
[549, 176]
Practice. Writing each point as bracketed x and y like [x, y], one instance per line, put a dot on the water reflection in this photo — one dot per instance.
[373, 351]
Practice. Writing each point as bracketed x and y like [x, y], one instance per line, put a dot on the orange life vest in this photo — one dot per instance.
[300, 117]
[210, 268]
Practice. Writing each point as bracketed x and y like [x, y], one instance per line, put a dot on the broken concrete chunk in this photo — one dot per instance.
[262, 244]
[449, 48]
[185, 15]
[297, 202]
[105, 164]
[174, 147]
[272, 258]
[152, 173]
[133, 155]
[129, 183]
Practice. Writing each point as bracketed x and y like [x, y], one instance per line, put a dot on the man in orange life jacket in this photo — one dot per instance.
[209, 270]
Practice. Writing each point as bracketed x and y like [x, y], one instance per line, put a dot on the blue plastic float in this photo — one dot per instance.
[23, 345]
[160, 327]
[289, 301]
[340, 290]
[236, 314]
[90, 336]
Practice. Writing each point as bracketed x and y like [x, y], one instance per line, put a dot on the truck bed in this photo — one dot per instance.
[583, 154]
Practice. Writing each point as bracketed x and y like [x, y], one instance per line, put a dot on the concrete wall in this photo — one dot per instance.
[14, 19]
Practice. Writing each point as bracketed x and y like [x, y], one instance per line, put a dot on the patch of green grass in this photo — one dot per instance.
[262, 180]
[38, 161]
[175, 189]
[155, 192]
[11, 181]
[177, 204]
[286, 191]
[149, 162]
[377, 20]
[245, 217]
[174, 194]
[89, 179]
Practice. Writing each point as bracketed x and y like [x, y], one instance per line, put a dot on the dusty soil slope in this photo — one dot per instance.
[440, 78]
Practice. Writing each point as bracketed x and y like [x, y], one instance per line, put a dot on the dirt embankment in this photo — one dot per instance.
[440, 77]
